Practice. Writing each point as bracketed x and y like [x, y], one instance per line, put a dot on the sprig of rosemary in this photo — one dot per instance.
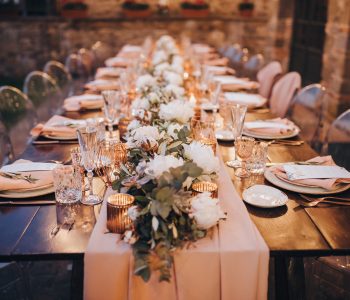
[11, 175]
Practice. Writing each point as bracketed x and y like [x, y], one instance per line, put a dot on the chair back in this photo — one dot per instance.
[283, 92]
[75, 66]
[101, 52]
[231, 51]
[337, 141]
[307, 111]
[6, 153]
[266, 77]
[239, 59]
[18, 116]
[39, 87]
[87, 58]
[253, 65]
[58, 72]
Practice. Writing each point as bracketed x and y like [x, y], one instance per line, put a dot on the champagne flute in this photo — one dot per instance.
[88, 143]
[112, 103]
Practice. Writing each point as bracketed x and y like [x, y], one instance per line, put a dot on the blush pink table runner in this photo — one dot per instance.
[233, 264]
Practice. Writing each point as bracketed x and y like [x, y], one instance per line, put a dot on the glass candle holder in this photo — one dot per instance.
[205, 186]
[117, 212]
[123, 126]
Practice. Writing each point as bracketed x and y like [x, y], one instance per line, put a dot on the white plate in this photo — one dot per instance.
[59, 138]
[288, 135]
[28, 194]
[271, 177]
[224, 135]
[264, 196]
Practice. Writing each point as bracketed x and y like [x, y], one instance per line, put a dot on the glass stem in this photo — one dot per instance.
[110, 128]
[90, 178]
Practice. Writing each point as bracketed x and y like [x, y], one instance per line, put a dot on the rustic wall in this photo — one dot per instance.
[336, 57]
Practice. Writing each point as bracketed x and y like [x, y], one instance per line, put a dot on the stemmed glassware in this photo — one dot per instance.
[204, 131]
[88, 142]
[243, 148]
[112, 104]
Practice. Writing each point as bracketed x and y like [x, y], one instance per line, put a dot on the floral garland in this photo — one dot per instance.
[163, 162]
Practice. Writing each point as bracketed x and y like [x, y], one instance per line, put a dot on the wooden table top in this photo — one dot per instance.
[30, 232]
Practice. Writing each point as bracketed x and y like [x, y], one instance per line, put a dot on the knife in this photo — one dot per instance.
[32, 202]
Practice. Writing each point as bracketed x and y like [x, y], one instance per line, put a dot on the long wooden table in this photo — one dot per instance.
[30, 232]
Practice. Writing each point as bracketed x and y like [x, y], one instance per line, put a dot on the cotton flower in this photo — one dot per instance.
[140, 103]
[177, 91]
[176, 110]
[133, 213]
[171, 130]
[162, 163]
[159, 57]
[203, 156]
[133, 125]
[145, 82]
[172, 78]
[144, 133]
[206, 211]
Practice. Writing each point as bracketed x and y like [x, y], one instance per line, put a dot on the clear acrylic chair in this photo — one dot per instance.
[101, 52]
[61, 75]
[238, 60]
[267, 76]
[283, 92]
[87, 59]
[307, 110]
[253, 65]
[232, 50]
[6, 151]
[337, 141]
[18, 116]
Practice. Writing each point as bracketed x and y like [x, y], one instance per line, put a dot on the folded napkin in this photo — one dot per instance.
[131, 48]
[41, 179]
[217, 62]
[85, 101]
[108, 72]
[327, 183]
[232, 83]
[57, 126]
[102, 85]
[202, 48]
[118, 62]
[220, 70]
[276, 126]
[246, 99]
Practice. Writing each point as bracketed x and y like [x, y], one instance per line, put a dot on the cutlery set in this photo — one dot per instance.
[329, 200]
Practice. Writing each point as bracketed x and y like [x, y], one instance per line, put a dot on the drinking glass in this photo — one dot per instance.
[243, 148]
[67, 183]
[257, 161]
[204, 132]
[112, 103]
[88, 143]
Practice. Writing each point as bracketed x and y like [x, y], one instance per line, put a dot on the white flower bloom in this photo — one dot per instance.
[128, 237]
[160, 164]
[206, 211]
[160, 68]
[145, 133]
[133, 213]
[173, 78]
[203, 156]
[171, 129]
[140, 103]
[145, 82]
[176, 110]
[177, 60]
[177, 91]
[133, 125]
[159, 57]
[153, 98]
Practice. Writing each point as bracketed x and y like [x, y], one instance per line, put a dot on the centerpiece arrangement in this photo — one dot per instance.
[163, 163]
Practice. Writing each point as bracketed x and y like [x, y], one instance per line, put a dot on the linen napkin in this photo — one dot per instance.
[276, 126]
[220, 70]
[99, 85]
[85, 101]
[217, 62]
[108, 72]
[245, 99]
[327, 183]
[118, 62]
[232, 83]
[57, 126]
[43, 178]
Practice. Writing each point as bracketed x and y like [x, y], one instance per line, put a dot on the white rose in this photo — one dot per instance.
[162, 163]
[203, 156]
[206, 211]
[133, 213]
[176, 110]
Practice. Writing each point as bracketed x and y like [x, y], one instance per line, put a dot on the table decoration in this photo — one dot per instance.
[204, 186]
[117, 212]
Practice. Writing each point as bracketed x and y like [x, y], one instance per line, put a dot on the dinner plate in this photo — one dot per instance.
[289, 134]
[28, 193]
[271, 177]
[264, 196]
[224, 135]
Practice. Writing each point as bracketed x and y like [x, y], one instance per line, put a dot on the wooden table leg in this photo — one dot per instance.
[77, 280]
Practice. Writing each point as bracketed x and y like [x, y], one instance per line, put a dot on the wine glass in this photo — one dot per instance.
[112, 103]
[88, 142]
[243, 148]
[204, 132]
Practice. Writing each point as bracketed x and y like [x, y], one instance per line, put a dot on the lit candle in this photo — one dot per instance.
[193, 99]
